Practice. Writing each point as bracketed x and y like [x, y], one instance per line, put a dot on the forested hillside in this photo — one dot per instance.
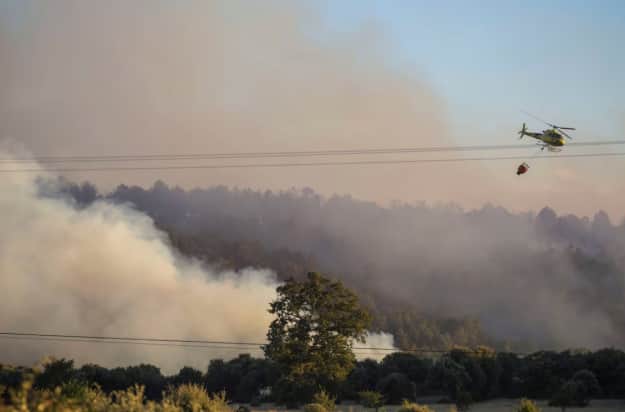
[431, 275]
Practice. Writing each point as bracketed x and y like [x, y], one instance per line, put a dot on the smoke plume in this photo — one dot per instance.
[86, 77]
[105, 270]
[554, 280]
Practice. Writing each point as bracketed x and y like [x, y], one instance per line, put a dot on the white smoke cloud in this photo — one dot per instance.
[375, 345]
[105, 270]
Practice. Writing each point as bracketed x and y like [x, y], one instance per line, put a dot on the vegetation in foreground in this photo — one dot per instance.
[74, 397]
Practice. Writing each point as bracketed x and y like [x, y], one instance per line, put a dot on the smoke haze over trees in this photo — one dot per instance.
[432, 275]
[105, 269]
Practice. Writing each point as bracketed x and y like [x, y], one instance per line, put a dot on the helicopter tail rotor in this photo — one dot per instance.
[522, 131]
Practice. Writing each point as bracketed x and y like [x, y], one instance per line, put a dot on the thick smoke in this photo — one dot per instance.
[553, 280]
[94, 78]
[376, 346]
[104, 270]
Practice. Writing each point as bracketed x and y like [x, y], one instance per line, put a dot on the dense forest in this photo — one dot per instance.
[481, 375]
[433, 276]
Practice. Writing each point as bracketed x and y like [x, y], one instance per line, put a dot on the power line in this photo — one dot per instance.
[129, 339]
[240, 349]
[281, 154]
[123, 342]
[308, 164]
[183, 343]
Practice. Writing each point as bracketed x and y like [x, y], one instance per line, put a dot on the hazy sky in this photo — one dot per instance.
[86, 77]
[560, 59]
[491, 59]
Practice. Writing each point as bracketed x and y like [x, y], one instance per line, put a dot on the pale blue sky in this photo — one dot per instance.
[562, 60]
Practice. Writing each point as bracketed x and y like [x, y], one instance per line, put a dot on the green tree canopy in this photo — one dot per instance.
[316, 323]
[570, 394]
[589, 382]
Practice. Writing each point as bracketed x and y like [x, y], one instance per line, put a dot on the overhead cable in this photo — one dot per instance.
[306, 164]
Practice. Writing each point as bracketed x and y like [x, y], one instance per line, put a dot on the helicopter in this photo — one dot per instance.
[552, 139]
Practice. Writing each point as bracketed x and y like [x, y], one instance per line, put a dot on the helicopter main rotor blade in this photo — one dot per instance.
[561, 129]
[539, 119]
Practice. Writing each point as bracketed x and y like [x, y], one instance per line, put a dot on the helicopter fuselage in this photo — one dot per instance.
[550, 137]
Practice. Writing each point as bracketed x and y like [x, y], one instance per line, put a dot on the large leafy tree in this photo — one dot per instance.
[316, 323]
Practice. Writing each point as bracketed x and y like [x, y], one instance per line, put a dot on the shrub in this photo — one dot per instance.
[55, 373]
[60, 399]
[395, 387]
[192, 398]
[187, 375]
[324, 399]
[527, 405]
[407, 406]
[572, 393]
[130, 400]
[313, 407]
[12, 378]
[589, 382]
[74, 390]
[371, 399]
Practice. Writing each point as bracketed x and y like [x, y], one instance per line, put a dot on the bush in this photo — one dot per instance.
[314, 407]
[395, 387]
[292, 392]
[527, 405]
[572, 393]
[55, 373]
[74, 398]
[407, 406]
[324, 399]
[12, 378]
[187, 375]
[589, 382]
[371, 399]
[192, 398]
[87, 399]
